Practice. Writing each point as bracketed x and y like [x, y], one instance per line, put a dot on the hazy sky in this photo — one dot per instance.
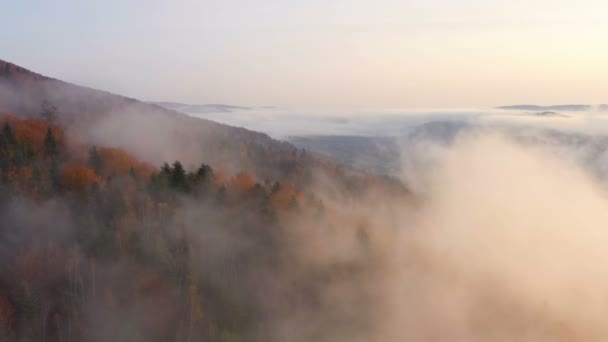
[319, 53]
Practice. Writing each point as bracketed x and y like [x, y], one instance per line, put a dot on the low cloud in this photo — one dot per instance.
[499, 243]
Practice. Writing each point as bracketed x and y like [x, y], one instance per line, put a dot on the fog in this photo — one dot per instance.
[282, 123]
[495, 239]
[500, 243]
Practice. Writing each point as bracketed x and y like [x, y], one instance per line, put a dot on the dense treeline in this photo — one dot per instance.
[98, 246]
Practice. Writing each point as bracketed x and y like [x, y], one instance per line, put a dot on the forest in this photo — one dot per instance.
[99, 246]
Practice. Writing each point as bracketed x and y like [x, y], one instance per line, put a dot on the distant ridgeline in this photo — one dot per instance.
[566, 108]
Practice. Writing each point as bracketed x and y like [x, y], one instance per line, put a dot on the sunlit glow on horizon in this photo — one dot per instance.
[338, 54]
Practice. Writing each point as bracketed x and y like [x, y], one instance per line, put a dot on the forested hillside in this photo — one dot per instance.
[124, 221]
[151, 132]
[99, 246]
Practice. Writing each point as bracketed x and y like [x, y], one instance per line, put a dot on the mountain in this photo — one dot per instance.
[195, 108]
[150, 131]
[567, 108]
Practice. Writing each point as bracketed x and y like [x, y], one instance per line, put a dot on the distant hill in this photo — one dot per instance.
[152, 132]
[388, 155]
[566, 108]
[550, 113]
[379, 155]
[195, 108]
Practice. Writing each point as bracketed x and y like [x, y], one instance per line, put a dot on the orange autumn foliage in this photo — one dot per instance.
[78, 178]
[285, 195]
[34, 131]
[31, 130]
[243, 182]
[118, 162]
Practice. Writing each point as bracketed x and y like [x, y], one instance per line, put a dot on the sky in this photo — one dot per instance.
[319, 53]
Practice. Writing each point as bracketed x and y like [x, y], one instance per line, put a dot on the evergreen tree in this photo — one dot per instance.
[8, 144]
[178, 177]
[50, 144]
[165, 170]
[95, 161]
[204, 173]
[8, 136]
[203, 179]
[54, 174]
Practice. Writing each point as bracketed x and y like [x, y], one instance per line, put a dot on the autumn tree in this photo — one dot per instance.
[117, 162]
[78, 178]
[243, 181]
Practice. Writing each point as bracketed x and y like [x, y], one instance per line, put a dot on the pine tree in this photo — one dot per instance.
[204, 173]
[8, 136]
[54, 175]
[165, 170]
[8, 144]
[203, 178]
[178, 177]
[95, 161]
[50, 144]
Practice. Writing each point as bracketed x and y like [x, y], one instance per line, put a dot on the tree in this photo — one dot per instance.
[50, 144]
[54, 174]
[8, 143]
[203, 179]
[178, 177]
[204, 174]
[49, 112]
[243, 182]
[95, 161]
[117, 162]
[8, 136]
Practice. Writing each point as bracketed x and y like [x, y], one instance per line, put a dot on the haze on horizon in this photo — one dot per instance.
[333, 54]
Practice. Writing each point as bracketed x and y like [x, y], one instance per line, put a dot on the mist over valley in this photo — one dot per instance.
[289, 171]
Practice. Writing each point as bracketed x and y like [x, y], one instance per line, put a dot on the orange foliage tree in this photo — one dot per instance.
[243, 182]
[78, 178]
[283, 195]
[118, 162]
[32, 131]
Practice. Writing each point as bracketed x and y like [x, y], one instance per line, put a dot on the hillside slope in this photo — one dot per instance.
[153, 133]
